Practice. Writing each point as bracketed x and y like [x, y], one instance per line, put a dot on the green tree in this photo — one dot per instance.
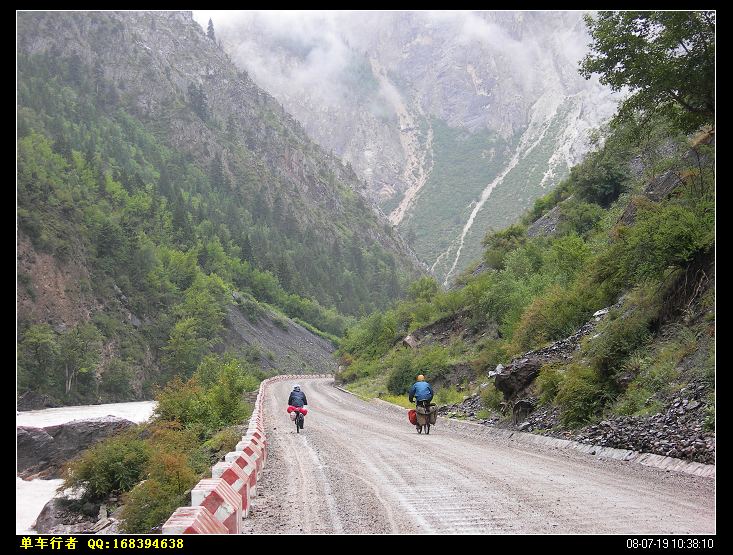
[601, 177]
[199, 101]
[38, 353]
[665, 58]
[80, 349]
[423, 289]
[210, 31]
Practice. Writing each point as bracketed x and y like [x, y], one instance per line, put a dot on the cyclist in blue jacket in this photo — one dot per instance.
[422, 393]
[420, 390]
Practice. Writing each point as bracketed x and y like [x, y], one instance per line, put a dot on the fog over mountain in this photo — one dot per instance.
[456, 121]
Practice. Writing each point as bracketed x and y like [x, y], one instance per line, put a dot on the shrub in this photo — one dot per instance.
[116, 380]
[432, 362]
[601, 177]
[492, 353]
[251, 308]
[665, 235]
[548, 382]
[280, 323]
[491, 398]
[554, 315]
[498, 244]
[222, 443]
[252, 354]
[623, 333]
[581, 395]
[111, 466]
[423, 289]
[448, 396]
[148, 506]
[372, 336]
[183, 402]
[402, 375]
[578, 217]
[637, 400]
[709, 422]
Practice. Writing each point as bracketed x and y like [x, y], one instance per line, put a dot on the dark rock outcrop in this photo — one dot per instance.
[517, 375]
[55, 518]
[42, 451]
[31, 400]
[545, 225]
[442, 331]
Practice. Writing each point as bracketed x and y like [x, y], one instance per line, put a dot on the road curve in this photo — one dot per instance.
[358, 467]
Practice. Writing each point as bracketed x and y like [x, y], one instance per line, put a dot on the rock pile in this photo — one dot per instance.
[468, 408]
[515, 377]
[678, 431]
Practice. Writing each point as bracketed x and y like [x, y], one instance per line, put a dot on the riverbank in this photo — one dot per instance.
[32, 495]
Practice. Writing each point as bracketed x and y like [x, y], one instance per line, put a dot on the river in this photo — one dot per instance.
[31, 496]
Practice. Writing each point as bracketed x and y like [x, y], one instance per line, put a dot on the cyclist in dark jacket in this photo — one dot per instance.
[297, 397]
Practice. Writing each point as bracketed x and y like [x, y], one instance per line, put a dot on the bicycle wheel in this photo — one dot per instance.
[427, 428]
[297, 423]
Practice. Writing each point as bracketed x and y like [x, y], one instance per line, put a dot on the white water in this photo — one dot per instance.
[31, 496]
[138, 411]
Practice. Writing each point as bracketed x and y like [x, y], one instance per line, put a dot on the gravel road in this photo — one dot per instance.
[359, 467]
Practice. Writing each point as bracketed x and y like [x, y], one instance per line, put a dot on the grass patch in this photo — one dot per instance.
[400, 400]
[657, 371]
[491, 398]
[448, 396]
[581, 395]
[548, 382]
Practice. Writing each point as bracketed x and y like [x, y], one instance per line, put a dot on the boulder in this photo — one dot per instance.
[30, 400]
[521, 410]
[409, 341]
[517, 375]
[42, 451]
[56, 518]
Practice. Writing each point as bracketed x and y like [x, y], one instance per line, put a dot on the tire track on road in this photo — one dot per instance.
[361, 468]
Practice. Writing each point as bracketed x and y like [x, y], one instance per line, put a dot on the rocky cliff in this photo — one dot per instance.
[456, 121]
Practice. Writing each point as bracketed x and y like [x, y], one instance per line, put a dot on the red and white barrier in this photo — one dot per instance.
[221, 502]
[249, 469]
[220, 499]
[237, 478]
[193, 520]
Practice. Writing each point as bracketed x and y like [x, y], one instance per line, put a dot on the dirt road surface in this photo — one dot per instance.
[358, 467]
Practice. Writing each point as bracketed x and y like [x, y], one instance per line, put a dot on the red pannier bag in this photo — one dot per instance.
[412, 415]
[291, 408]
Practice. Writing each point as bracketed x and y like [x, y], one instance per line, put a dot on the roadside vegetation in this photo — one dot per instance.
[164, 241]
[613, 245]
[150, 468]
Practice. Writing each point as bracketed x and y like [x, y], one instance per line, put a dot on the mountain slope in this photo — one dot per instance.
[454, 119]
[163, 70]
[155, 180]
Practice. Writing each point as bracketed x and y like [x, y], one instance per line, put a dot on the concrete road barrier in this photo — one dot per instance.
[221, 500]
[193, 520]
